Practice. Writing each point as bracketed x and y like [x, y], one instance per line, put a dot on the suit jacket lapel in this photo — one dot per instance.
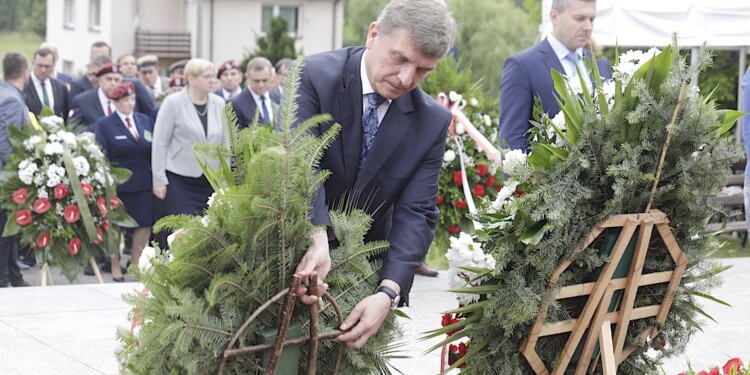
[392, 129]
[94, 99]
[33, 94]
[351, 116]
[549, 57]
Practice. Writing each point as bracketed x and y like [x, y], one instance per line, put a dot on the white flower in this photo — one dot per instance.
[465, 252]
[454, 97]
[52, 122]
[30, 143]
[460, 129]
[504, 195]
[474, 102]
[68, 138]
[514, 161]
[144, 262]
[39, 179]
[54, 175]
[449, 156]
[53, 148]
[26, 170]
[81, 165]
[487, 120]
[575, 85]
[42, 193]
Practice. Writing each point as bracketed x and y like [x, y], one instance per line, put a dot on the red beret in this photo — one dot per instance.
[122, 90]
[178, 80]
[227, 65]
[108, 68]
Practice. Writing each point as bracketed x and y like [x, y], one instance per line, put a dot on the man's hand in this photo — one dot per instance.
[160, 191]
[365, 320]
[317, 258]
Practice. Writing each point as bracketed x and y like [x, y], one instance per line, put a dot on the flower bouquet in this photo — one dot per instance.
[61, 195]
[733, 366]
[644, 141]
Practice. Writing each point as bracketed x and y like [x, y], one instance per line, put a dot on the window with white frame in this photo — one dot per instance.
[288, 13]
[67, 67]
[95, 14]
[69, 13]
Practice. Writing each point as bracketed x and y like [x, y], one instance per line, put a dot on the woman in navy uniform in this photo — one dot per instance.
[126, 137]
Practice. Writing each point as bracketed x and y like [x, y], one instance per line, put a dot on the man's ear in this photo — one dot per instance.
[372, 33]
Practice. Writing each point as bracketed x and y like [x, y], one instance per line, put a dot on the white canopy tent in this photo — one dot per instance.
[720, 24]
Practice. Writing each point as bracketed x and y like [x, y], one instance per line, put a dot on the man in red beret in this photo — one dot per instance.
[92, 105]
[230, 76]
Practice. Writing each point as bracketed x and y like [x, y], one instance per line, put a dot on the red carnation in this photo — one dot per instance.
[439, 199]
[19, 196]
[454, 229]
[87, 189]
[105, 224]
[102, 205]
[23, 217]
[99, 236]
[41, 205]
[458, 178]
[490, 181]
[43, 240]
[72, 213]
[448, 319]
[478, 190]
[481, 169]
[460, 204]
[520, 193]
[456, 352]
[114, 202]
[60, 191]
[74, 245]
[734, 364]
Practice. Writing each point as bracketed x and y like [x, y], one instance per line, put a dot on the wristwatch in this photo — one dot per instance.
[395, 298]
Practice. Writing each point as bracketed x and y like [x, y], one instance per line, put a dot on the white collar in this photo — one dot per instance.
[366, 86]
[257, 97]
[560, 50]
[37, 81]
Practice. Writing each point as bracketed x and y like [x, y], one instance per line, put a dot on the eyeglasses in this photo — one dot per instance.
[208, 77]
[43, 66]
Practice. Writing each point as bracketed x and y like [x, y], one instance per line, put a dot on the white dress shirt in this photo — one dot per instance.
[47, 87]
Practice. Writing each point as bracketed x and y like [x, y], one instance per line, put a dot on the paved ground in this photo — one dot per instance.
[69, 329]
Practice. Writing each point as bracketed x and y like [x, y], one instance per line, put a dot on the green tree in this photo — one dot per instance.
[358, 14]
[24, 16]
[276, 45]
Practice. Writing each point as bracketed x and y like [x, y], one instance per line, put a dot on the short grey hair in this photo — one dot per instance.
[259, 63]
[429, 23]
[561, 5]
[195, 67]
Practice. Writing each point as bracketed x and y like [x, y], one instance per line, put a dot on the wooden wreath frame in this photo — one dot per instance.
[595, 316]
[280, 343]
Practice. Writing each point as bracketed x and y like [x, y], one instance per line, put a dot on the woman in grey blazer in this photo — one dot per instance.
[186, 118]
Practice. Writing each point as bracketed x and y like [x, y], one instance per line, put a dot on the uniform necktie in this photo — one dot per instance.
[132, 129]
[266, 117]
[109, 107]
[45, 97]
[370, 124]
[573, 58]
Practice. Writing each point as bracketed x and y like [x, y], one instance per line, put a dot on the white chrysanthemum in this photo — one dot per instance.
[26, 170]
[52, 122]
[54, 175]
[460, 129]
[68, 138]
[504, 195]
[514, 161]
[474, 102]
[42, 193]
[39, 178]
[465, 252]
[575, 85]
[30, 143]
[144, 262]
[487, 120]
[53, 148]
[454, 97]
[81, 165]
[449, 156]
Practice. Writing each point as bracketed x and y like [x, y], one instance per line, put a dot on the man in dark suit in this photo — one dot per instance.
[44, 91]
[526, 75]
[390, 149]
[255, 96]
[60, 76]
[276, 91]
[13, 112]
[92, 105]
[231, 77]
[88, 82]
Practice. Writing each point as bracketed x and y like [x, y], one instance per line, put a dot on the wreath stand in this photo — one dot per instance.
[280, 341]
[45, 275]
[596, 318]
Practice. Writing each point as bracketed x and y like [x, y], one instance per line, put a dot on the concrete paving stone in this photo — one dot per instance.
[45, 300]
[24, 355]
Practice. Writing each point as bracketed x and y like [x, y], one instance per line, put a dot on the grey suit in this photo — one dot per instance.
[177, 129]
[13, 112]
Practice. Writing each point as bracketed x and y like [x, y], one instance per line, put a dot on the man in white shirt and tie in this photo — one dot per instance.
[255, 97]
[92, 105]
[44, 91]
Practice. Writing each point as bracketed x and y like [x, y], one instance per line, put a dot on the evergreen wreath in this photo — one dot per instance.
[600, 157]
[244, 250]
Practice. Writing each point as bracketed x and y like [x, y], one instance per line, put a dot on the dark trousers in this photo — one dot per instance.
[9, 271]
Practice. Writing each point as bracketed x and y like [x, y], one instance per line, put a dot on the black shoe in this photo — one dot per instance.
[106, 266]
[424, 270]
[88, 271]
[19, 283]
[120, 279]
